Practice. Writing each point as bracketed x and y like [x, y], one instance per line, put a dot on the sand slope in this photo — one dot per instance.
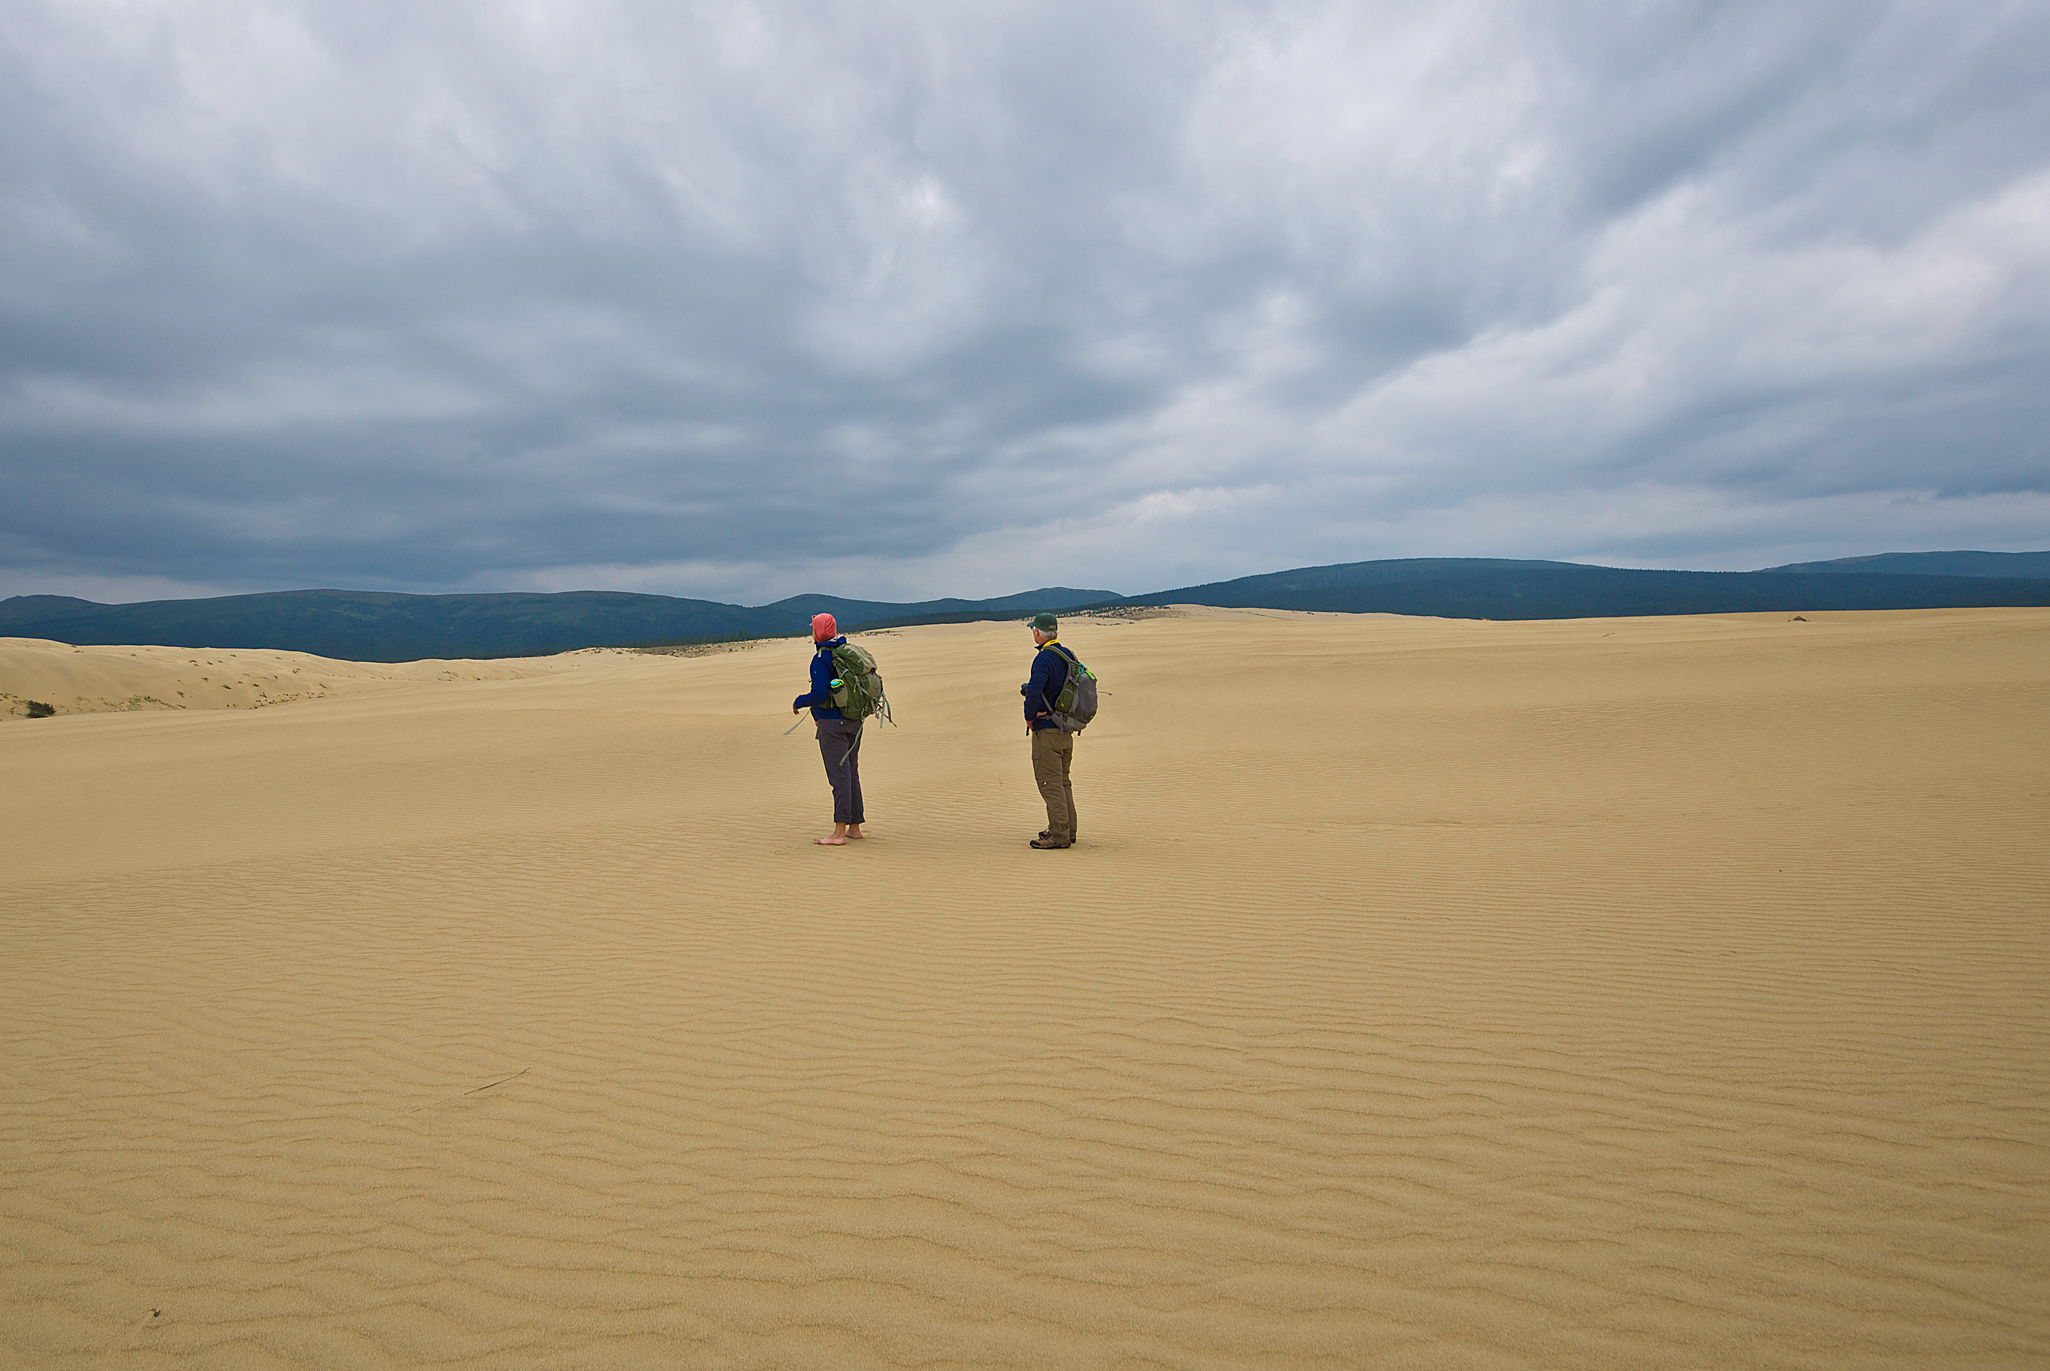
[1423, 994]
[100, 680]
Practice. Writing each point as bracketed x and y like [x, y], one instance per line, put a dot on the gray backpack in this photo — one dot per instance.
[1075, 706]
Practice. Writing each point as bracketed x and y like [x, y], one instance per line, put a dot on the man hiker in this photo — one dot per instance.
[1053, 747]
[839, 736]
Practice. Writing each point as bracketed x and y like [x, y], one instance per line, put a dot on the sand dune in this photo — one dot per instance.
[1422, 994]
[101, 680]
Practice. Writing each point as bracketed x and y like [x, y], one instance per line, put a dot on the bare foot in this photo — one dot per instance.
[854, 831]
[835, 841]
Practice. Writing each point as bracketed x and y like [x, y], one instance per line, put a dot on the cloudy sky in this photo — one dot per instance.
[901, 299]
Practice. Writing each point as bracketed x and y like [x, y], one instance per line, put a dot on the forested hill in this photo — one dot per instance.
[375, 626]
[2013, 564]
[1493, 588]
[381, 626]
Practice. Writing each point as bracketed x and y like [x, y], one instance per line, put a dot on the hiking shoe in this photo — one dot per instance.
[1046, 844]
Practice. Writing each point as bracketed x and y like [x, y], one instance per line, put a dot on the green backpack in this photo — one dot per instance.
[857, 685]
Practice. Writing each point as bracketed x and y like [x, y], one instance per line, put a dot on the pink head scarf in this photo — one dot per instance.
[823, 627]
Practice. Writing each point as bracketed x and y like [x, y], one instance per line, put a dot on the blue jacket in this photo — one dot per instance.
[1049, 675]
[821, 697]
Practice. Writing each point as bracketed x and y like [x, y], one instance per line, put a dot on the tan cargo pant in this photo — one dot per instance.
[1053, 752]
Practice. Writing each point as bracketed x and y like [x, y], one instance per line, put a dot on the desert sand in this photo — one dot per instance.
[1645, 992]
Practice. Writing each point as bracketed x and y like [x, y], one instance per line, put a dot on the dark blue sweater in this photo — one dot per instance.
[821, 697]
[1049, 675]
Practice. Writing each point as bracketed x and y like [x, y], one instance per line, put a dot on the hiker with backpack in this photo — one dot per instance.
[1060, 700]
[845, 690]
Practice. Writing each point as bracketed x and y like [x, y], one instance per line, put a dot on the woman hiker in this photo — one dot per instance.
[839, 736]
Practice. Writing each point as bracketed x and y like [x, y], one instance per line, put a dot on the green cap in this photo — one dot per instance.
[1045, 622]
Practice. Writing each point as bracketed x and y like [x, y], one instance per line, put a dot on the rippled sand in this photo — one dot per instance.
[1422, 994]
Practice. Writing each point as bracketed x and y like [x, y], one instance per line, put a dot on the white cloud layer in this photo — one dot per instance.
[903, 300]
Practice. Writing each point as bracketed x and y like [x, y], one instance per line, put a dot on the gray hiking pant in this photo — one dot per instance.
[1053, 752]
[840, 749]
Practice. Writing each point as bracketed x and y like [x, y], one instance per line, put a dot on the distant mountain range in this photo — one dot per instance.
[2020, 564]
[1494, 588]
[378, 626]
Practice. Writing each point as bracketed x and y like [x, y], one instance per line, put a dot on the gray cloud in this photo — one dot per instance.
[739, 300]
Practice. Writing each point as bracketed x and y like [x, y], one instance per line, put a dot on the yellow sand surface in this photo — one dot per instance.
[1633, 993]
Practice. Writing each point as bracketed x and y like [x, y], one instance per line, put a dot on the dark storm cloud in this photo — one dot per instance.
[743, 299]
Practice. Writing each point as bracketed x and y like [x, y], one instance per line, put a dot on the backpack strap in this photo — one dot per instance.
[1073, 662]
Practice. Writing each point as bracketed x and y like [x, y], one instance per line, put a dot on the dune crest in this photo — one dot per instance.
[126, 679]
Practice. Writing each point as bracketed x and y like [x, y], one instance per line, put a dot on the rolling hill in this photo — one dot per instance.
[377, 626]
[2006, 564]
[1493, 588]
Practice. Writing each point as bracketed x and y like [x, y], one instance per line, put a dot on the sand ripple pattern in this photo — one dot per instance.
[1664, 993]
